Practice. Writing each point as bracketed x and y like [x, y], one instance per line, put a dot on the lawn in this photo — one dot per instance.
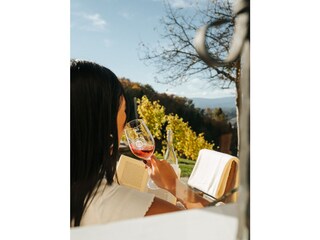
[186, 166]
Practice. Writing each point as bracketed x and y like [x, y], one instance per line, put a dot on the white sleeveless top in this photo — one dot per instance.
[114, 203]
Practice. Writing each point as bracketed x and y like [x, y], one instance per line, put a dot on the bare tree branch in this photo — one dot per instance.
[175, 57]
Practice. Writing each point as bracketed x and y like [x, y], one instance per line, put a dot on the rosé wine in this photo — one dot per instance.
[144, 153]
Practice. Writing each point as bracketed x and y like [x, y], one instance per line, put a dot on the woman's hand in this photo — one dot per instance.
[163, 174]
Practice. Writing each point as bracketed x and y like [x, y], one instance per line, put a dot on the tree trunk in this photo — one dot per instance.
[238, 101]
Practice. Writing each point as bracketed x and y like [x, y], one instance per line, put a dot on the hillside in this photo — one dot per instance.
[182, 106]
[225, 102]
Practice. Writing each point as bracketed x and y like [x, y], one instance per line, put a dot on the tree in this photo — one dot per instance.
[187, 142]
[175, 56]
[216, 114]
[153, 114]
[198, 120]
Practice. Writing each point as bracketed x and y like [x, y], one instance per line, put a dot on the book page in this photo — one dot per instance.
[132, 173]
[211, 173]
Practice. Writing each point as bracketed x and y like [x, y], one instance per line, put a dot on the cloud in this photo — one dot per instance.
[96, 20]
[126, 15]
[89, 22]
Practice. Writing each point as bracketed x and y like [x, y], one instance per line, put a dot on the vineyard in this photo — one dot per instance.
[186, 142]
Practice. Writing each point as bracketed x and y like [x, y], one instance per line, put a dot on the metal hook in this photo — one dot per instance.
[239, 36]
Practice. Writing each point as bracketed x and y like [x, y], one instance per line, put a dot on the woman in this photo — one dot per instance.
[98, 117]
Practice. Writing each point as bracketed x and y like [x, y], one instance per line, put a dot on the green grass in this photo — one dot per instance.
[185, 165]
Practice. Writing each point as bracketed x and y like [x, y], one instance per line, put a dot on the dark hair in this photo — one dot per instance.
[96, 96]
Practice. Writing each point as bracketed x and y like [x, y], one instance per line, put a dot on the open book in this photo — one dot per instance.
[132, 173]
[215, 173]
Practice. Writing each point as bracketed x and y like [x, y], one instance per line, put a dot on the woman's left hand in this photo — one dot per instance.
[163, 174]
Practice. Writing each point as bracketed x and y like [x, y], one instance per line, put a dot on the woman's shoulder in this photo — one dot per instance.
[142, 200]
[115, 202]
[115, 191]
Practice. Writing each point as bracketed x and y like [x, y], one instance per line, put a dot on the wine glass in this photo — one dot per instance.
[141, 143]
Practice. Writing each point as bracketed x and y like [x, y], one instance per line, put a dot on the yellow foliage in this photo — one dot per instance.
[136, 86]
[153, 114]
[186, 142]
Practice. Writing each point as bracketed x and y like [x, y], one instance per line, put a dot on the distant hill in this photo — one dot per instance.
[224, 103]
[227, 104]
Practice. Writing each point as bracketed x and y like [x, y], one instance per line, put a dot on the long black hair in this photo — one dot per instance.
[96, 96]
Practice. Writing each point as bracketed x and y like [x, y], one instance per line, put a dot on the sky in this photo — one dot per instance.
[109, 32]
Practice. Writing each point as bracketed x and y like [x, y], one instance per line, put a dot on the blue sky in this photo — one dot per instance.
[109, 31]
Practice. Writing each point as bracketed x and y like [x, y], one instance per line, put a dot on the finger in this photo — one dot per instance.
[153, 160]
[156, 160]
